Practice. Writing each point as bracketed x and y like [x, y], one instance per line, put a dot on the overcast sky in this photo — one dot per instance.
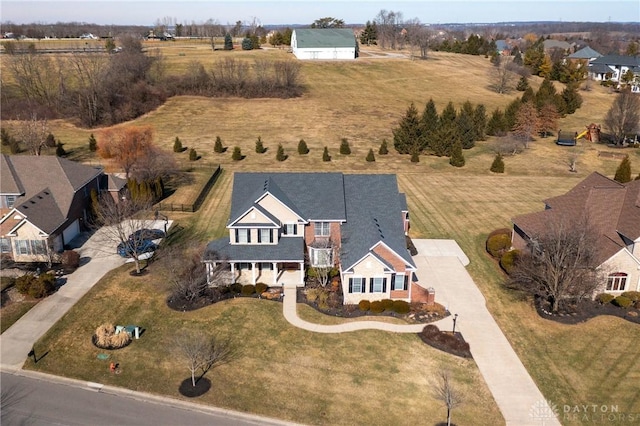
[147, 12]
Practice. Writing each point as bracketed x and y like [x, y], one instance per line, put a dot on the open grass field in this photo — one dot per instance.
[591, 363]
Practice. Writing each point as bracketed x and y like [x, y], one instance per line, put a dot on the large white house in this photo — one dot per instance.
[324, 44]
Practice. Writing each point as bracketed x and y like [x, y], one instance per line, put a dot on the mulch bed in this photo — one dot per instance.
[584, 311]
[208, 298]
[187, 389]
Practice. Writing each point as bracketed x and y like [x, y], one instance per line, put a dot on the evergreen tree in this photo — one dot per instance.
[498, 164]
[325, 154]
[260, 149]
[534, 56]
[370, 156]
[448, 132]
[457, 159]
[523, 84]
[93, 143]
[517, 57]
[50, 141]
[237, 154]
[572, 99]
[344, 147]
[510, 114]
[177, 145]
[280, 155]
[370, 34]
[193, 155]
[60, 152]
[247, 44]
[217, 147]
[497, 125]
[466, 128]
[546, 94]
[228, 42]
[302, 147]
[408, 137]
[429, 122]
[383, 148]
[415, 157]
[480, 121]
[623, 172]
[528, 95]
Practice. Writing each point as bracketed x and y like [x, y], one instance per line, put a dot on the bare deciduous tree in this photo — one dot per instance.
[562, 263]
[125, 146]
[418, 37]
[201, 352]
[322, 259]
[445, 391]
[389, 25]
[33, 134]
[527, 123]
[507, 145]
[623, 117]
[503, 74]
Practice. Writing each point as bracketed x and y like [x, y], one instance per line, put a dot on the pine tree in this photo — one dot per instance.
[370, 156]
[217, 147]
[523, 84]
[193, 155]
[480, 121]
[528, 95]
[228, 42]
[415, 157]
[280, 155]
[408, 136]
[237, 154]
[510, 114]
[260, 149]
[50, 141]
[429, 122]
[447, 134]
[517, 57]
[383, 148]
[457, 159]
[546, 94]
[496, 126]
[325, 154]
[344, 147]
[572, 99]
[60, 152]
[466, 128]
[623, 172]
[302, 147]
[498, 164]
[93, 143]
[177, 145]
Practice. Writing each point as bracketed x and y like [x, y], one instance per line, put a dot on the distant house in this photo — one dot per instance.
[45, 202]
[503, 48]
[551, 44]
[613, 209]
[324, 44]
[586, 54]
[613, 67]
[283, 224]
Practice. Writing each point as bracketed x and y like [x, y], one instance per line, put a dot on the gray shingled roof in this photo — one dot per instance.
[288, 249]
[47, 184]
[373, 215]
[325, 37]
[628, 61]
[585, 53]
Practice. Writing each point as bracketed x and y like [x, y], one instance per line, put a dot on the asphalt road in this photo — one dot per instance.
[31, 401]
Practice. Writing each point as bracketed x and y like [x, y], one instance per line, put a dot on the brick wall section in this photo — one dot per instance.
[419, 294]
[334, 232]
[308, 233]
[399, 294]
[390, 257]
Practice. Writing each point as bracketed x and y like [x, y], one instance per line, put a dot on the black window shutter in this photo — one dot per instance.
[363, 283]
[295, 229]
[270, 235]
[370, 285]
[350, 285]
[248, 235]
[384, 285]
[237, 235]
[259, 235]
[406, 282]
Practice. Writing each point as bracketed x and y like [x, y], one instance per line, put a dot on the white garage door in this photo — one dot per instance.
[71, 232]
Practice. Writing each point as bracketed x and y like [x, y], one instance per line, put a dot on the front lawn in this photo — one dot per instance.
[366, 377]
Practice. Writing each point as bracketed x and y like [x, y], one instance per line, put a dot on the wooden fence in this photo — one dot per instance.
[192, 208]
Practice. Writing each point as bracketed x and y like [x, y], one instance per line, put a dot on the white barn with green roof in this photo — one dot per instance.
[324, 44]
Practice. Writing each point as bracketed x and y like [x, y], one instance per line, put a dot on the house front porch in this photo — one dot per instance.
[269, 273]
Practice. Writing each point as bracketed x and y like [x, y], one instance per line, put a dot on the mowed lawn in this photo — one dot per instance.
[362, 101]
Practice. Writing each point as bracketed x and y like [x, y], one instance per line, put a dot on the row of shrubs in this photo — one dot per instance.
[444, 341]
[246, 289]
[498, 245]
[626, 300]
[36, 286]
[385, 305]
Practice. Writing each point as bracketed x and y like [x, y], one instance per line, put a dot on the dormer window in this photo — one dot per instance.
[265, 235]
[243, 236]
[290, 229]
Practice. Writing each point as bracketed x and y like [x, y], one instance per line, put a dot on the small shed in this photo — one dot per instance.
[324, 44]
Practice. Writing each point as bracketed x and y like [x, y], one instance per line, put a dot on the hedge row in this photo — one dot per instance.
[625, 300]
[379, 306]
[36, 287]
[247, 289]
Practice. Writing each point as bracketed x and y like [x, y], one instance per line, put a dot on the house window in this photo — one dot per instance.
[290, 229]
[5, 245]
[38, 247]
[356, 285]
[243, 236]
[617, 281]
[264, 235]
[22, 247]
[321, 229]
[377, 285]
[10, 199]
[321, 256]
[400, 282]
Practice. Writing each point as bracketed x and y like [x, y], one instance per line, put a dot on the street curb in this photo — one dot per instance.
[146, 397]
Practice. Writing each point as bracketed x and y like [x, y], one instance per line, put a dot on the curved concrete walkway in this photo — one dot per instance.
[441, 266]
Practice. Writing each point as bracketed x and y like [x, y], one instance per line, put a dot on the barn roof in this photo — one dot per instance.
[325, 37]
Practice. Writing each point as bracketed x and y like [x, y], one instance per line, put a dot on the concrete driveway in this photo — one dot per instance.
[441, 266]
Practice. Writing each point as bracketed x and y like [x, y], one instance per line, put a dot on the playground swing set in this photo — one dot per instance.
[592, 134]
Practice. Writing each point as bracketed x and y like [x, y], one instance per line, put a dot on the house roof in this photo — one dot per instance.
[325, 37]
[556, 44]
[612, 208]
[621, 60]
[46, 186]
[289, 249]
[501, 45]
[585, 53]
[598, 68]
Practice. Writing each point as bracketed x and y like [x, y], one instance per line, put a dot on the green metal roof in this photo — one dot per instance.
[325, 37]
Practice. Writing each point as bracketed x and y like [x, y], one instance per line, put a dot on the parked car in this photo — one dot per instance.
[138, 246]
[147, 234]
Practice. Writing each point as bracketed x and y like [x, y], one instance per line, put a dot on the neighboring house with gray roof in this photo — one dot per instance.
[282, 223]
[613, 67]
[586, 53]
[44, 203]
[324, 44]
[612, 209]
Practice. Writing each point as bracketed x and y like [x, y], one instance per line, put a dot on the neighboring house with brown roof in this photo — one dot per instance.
[281, 224]
[44, 203]
[613, 209]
